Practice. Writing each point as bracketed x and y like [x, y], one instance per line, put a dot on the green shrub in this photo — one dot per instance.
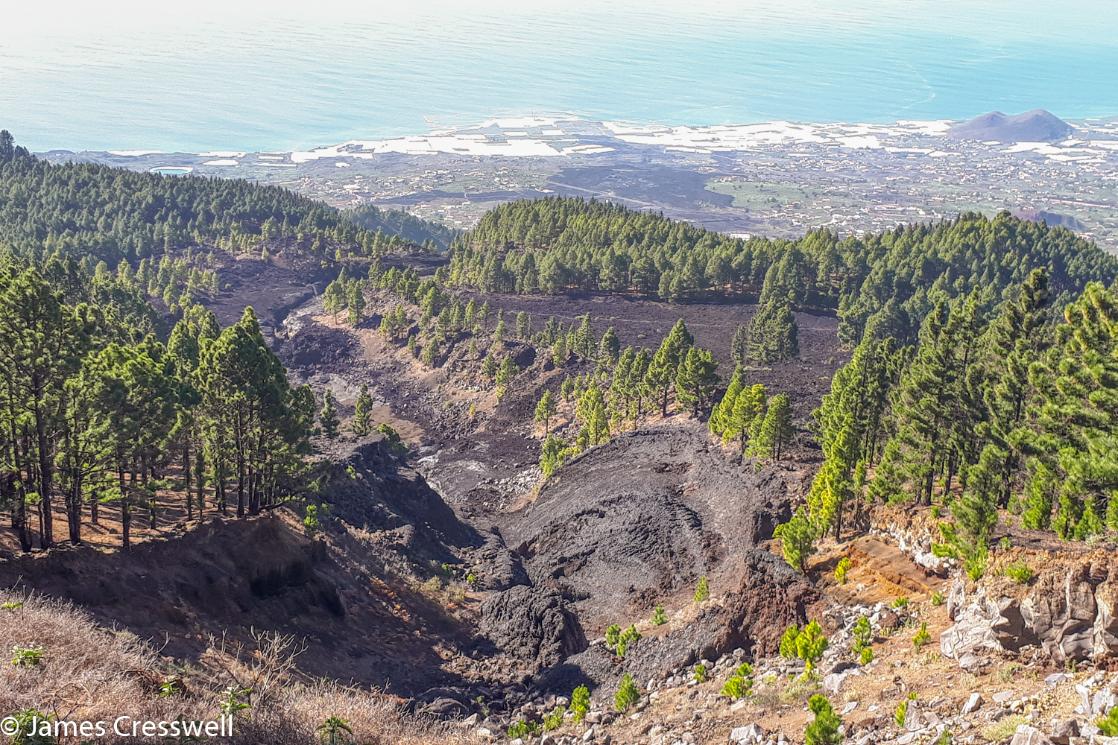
[922, 636]
[702, 590]
[1020, 573]
[613, 636]
[901, 711]
[580, 703]
[522, 729]
[700, 673]
[824, 729]
[841, 569]
[807, 645]
[28, 656]
[659, 617]
[235, 699]
[23, 728]
[334, 731]
[11, 605]
[901, 602]
[1108, 725]
[627, 694]
[938, 599]
[554, 720]
[623, 640]
[740, 683]
[862, 632]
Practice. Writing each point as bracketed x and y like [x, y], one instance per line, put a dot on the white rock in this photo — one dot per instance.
[1027, 735]
[972, 704]
[751, 733]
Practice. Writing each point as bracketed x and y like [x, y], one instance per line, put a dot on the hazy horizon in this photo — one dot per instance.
[267, 76]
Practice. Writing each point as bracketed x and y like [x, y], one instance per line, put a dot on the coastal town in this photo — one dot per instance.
[776, 179]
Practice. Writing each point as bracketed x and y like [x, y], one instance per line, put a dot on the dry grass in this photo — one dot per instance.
[89, 673]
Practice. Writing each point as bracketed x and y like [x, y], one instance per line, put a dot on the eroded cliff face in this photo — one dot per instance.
[1068, 612]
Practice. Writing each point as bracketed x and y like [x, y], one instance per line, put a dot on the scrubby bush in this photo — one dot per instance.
[922, 636]
[659, 617]
[521, 729]
[628, 637]
[627, 694]
[1108, 725]
[580, 703]
[841, 569]
[740, 683]
[335, 731]
[699, 673]
[702, 590]
[1020, 573]
[27, 656]
[901, 712]
[554, 719]
[863, 638]
[824, 729]
[806, 644]
[26, 729]
[619, 641]
[938, 599]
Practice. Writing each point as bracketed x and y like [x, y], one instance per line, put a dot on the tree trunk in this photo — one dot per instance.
[126, 511]
[74, 510]
[46, 471]
[149, 495]
[186, 480]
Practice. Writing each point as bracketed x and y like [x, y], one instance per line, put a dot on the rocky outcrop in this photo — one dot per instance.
[532, 623]
[770, 597]
[1069, 614]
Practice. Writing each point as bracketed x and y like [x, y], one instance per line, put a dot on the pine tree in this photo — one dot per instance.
[591, 412]
[696, 380]
[361, 411]
[824, 729]
[546, 409]
[583, 342]
[505, 374]
[748, 407]
[1016, 338]
[797, 540]
[775, 430]
[328, 415]
[660, 377]
[523, 326]
[1073, 430]
[739, 345]
[355, 302]
[608, 349]
[551, 455]
[773, 334]
[722, 417]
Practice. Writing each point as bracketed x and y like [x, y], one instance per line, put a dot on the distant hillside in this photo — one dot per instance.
[86, 210]
[556, 245]
[400, 223]
[1037, 125]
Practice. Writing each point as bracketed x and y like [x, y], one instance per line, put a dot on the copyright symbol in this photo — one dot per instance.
[9, 726]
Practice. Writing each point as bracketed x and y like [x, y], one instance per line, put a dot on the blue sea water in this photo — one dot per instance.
[265, 76]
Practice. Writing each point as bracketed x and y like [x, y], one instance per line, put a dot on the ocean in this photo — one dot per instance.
[264, 76]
